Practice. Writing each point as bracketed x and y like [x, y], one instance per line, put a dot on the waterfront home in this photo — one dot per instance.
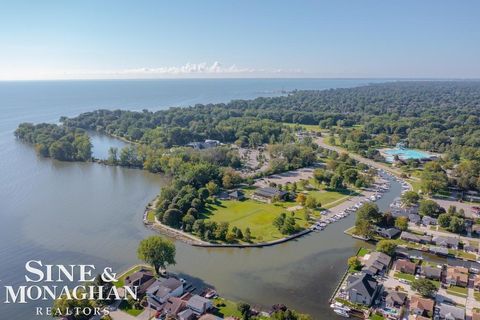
[236, 195]
[449, 312]
[141, 279]
[186, 314]
[388, 233]
[268, 194]
[207, 144]
[209, 316]
[160, 291]
[432, 273]
[411, 237]
[395, 299]
[199, 305]
[362, 288]
[405, 266]
[441, 251]
[457, 276]
[414, 218]
[376, 263]
[446, 242]
[421, 306]
[470, 248]
[429, 221]
[174, 306]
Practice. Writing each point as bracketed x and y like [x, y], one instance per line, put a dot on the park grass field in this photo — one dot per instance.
[256, 215]
[327, 197]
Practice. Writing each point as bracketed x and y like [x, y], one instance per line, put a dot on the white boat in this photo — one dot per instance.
[342, 313]
[338, 305]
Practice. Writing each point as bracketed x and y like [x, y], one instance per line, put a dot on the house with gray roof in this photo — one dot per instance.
[449, 312]
[186, 314]
[388, 233]
[199, 305]
[414, 218]
[395, 299]
[362, 288]
[441, 251]
[376, 263]
[160, 291]
[446, 242]
[429, 221]
[431, 272]
[268, 194]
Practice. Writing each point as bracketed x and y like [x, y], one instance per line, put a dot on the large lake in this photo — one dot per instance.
[77, 213]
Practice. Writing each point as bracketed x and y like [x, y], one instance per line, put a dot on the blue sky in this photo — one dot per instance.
[225, 38]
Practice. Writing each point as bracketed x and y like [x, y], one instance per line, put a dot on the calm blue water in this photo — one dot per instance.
[406, 154]
[91, 214]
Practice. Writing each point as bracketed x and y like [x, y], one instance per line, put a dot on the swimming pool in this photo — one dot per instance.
[406, 154]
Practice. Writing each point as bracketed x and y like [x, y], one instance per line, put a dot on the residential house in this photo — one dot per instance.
[475, 314]
[441, 251]
[457, 276]
[186, 314]
[174, 306]
[141, 279]
[421, 306]
[161, 291]
[209, 316]
[376, 263]
[207, 144]
[236, 195]
[414, 218]
[405, 266]
[476, 229]
[362, 288]
[449, 312]
[432, 273]
[470, 248]
[268, 194]
[411, 237]
[389, 233]
[429, 221]
[446, 242]
[199, 305]
[395, 299]
[476, 283]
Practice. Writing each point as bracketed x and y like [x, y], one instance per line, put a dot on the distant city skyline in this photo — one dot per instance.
[147, 39]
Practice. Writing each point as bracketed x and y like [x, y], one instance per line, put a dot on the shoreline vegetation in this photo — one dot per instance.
[247, 141]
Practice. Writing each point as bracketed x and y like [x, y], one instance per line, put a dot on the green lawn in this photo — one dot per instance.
[458, 291]
[326, 197]
[306, 127]
[126, 307]
[226, 308]
[151, 216]
[405, 276]
[256, 215]
[362, 252]
[121, 279]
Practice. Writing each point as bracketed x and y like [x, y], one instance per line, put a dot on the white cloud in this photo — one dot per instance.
[188, 70]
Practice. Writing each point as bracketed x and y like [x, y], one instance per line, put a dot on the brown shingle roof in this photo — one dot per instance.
[420, 303]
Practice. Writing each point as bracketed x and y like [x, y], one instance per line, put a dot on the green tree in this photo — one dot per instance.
[430, 208]
[424, 286]
[457, 225]
[311, 202]
[401, 223]
[369, 212]
[354, 263]
[444, 220]
[410, 198]
[212, 188]
[387, 246]
[157, 251]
